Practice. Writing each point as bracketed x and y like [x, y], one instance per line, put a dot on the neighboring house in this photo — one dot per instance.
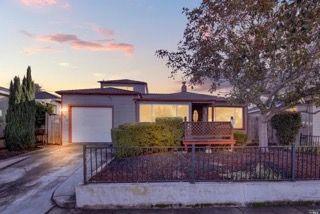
[310, 116]
[49, 98]
[4, 102]
[88, 115]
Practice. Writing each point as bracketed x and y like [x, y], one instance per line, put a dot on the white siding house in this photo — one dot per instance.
[310, 116]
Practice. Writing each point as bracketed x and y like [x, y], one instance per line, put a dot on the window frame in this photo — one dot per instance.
[243, 115]
[160, 103]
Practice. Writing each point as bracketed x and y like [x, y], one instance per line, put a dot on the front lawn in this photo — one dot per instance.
[212, 165]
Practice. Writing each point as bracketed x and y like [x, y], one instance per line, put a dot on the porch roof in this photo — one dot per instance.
[4, 91]
[182, 96]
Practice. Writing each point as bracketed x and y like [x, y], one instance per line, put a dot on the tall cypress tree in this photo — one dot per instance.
[13, 122]
[20, 119]
[28, 109]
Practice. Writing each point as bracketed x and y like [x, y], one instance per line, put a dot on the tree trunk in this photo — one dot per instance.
[263, 131]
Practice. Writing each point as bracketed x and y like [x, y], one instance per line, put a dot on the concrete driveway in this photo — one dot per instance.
[26, 187]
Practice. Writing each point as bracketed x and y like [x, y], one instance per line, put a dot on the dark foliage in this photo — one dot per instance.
[287, 125]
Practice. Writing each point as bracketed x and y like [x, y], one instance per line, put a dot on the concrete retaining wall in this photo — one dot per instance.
[98, 196]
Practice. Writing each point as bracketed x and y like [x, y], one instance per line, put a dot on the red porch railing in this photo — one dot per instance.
[207, 130]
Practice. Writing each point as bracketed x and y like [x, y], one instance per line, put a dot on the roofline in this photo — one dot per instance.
[55, 96]
[4, 94]
[118, 82]
[95, 93]
[179, 100]
[216, 103]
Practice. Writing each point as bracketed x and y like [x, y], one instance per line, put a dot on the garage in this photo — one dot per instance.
[91, 124]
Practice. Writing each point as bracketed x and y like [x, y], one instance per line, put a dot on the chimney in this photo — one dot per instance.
[184, 87]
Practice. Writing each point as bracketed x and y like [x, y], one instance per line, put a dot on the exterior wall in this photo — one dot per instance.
[306, 119]
[124, 110]
[3, 108]
[315, 121]
[136, 87]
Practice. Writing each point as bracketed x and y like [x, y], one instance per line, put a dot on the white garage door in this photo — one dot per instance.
[91, 124]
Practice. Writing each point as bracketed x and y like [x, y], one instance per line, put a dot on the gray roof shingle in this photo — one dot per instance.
[182, 96]
[98, 91]
[43, 95]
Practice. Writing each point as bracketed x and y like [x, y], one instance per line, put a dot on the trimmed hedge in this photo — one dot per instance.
[241, 138]
[287, 125]
[163, 132]
[174, 126]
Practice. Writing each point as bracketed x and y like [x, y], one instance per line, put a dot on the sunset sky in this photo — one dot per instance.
[74, 43]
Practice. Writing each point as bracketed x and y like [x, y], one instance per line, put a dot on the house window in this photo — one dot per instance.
[224, 114]
[149, 112]
[210, 111]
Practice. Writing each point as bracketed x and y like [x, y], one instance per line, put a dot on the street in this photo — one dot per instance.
[27, 187]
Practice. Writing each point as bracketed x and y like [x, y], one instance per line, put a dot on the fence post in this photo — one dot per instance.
[300, 139]
[293, 162]
[84, 164]
[193, 164]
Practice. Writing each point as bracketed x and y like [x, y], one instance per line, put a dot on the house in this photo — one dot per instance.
[4, 102]
[310, 118]
[45, 97]
[88, 115]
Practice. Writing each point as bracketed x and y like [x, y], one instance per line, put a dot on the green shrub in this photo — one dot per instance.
[287, 125]
[129, 138]
[241, 138]
[174, 125]
[41, 110]
[20, 118]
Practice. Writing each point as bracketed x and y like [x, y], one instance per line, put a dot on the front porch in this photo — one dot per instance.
[212, 112]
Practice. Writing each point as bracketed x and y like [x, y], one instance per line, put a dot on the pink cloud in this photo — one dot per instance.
[80, 44]
[59, 38]
[103, 31]
[39, 3]
[46, 3]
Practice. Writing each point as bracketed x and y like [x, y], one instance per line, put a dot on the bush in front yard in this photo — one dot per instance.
[174, 126]
[240, 138]
[287, 125]
[164, 132]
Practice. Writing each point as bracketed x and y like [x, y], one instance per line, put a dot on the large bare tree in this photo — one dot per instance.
[268, 50]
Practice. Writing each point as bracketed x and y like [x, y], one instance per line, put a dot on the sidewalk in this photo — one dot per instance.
[213, 210]
[64, 195]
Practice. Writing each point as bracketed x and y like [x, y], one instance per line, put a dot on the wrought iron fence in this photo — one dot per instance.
[109, 164]
[309, 140]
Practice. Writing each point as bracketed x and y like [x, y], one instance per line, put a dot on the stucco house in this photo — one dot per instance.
[4, 101]
[45, 97]
[88, 115]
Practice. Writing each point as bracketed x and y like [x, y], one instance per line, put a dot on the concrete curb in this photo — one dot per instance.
[64, 194]
[183, 194]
